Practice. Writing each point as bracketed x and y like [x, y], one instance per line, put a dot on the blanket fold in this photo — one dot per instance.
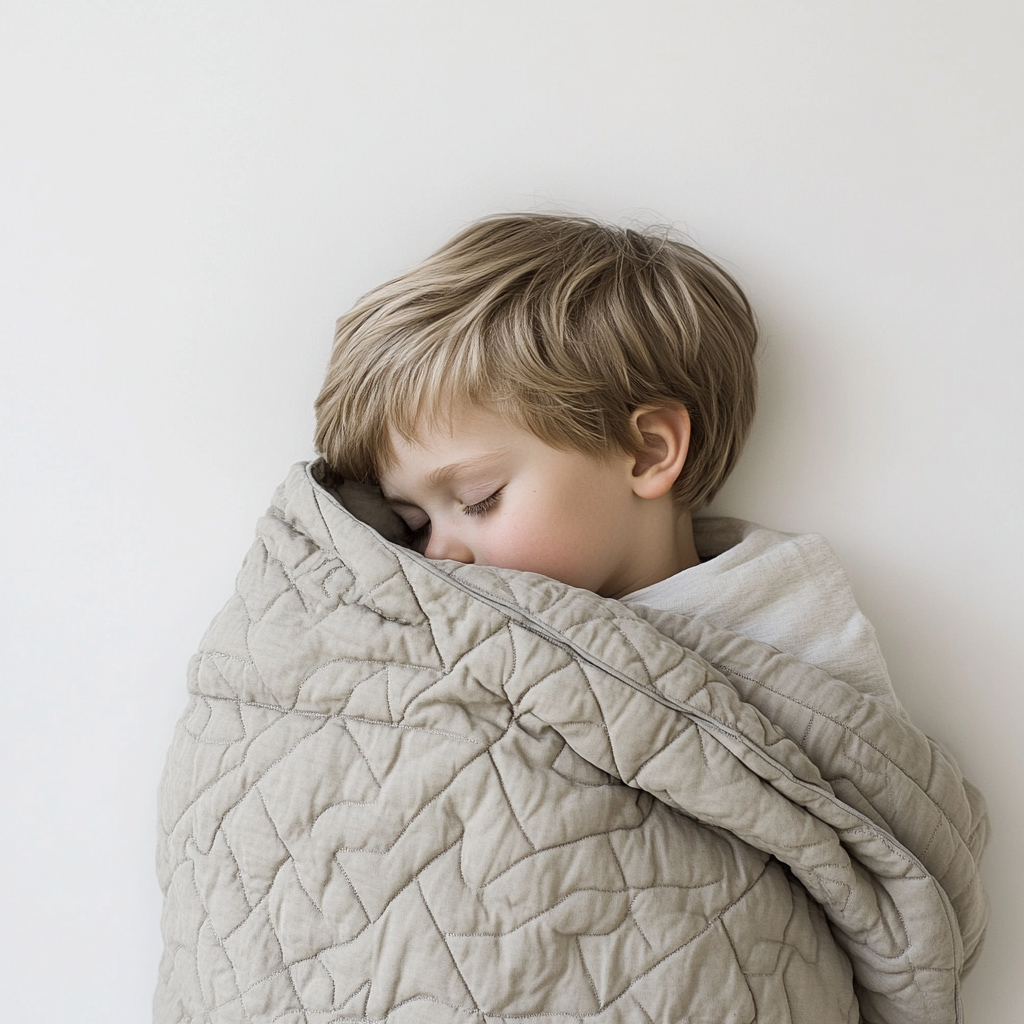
[407, 790]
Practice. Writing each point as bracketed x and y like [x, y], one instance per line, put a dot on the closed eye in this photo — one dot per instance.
[482, 507]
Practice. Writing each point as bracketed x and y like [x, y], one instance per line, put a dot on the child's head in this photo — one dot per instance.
[570, 332]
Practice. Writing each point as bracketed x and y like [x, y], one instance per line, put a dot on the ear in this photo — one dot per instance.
[665, 433]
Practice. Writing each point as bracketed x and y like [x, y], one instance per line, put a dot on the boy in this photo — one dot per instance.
[477, 786]
[584, 390]
[605, 360]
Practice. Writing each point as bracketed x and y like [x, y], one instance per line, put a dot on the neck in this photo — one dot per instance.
[668, 548]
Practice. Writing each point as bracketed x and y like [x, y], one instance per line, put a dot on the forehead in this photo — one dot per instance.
[470, 434]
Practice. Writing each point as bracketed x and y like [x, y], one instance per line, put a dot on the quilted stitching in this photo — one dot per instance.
[404, 794]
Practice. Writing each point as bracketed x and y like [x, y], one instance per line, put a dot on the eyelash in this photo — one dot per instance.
[484, 506]
[419, 537]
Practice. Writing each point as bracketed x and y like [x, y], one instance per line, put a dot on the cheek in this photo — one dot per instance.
[551, 545]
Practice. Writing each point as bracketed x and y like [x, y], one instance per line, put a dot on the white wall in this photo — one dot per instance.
[190, 193]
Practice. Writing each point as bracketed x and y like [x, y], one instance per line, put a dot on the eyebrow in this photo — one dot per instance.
[445, 473]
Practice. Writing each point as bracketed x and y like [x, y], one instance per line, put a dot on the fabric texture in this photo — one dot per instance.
[787, 590]
[407, 790]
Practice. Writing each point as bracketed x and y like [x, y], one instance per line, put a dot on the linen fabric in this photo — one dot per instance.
[407, 790]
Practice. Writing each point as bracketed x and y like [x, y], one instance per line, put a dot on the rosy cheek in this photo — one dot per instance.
[512, 542]
[546, 549]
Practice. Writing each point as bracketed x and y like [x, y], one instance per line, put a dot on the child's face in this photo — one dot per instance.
[488, 492]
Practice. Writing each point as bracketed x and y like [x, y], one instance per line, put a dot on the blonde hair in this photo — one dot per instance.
[563, 325]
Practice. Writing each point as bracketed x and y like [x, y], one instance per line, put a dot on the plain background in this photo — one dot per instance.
[192, 192]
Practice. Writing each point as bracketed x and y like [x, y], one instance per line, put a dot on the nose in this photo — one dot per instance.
[443, 544]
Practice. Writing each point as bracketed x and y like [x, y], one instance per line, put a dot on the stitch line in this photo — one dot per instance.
[508, 801]
[590, 977]
[444, 941]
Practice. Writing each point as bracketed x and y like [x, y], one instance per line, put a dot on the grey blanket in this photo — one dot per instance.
[416, 791]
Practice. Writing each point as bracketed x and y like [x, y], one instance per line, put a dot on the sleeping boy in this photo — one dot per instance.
[553, 394]
[591, 758]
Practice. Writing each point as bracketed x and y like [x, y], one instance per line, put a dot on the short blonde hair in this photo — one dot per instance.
[563, 325]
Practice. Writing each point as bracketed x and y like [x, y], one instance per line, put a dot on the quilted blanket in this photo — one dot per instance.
[416, 791]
